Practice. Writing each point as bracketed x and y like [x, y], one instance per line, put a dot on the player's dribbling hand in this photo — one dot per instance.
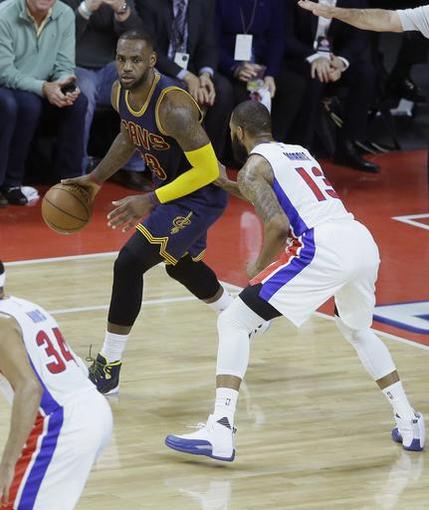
[85, 181]
[129, 211]
[6, 476]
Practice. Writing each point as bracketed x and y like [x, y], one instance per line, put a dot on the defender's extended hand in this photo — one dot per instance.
[253, 269]
[129, 210]
[6, 477]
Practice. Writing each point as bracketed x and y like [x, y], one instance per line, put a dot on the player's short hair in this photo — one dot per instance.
[139, 35]
[253, 117]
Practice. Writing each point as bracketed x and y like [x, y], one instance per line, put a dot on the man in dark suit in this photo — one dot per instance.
[187, 50]
[328, 53]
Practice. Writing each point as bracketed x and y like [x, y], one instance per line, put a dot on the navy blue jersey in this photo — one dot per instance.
[180, 226]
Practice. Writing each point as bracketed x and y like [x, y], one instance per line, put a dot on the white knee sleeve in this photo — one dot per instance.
[372, 352]
[234, 326]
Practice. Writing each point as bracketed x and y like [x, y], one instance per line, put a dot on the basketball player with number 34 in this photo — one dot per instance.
[60, 423]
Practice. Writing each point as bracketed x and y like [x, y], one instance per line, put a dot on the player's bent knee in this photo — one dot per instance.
[238, 315]
[353, 336]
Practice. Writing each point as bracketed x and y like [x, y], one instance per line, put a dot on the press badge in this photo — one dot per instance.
[182, 60]
[243, 47]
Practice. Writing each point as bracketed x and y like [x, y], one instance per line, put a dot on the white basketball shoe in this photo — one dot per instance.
[411, 433]
[215, 439]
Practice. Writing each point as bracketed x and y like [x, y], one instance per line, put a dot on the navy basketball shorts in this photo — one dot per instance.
[180, 228]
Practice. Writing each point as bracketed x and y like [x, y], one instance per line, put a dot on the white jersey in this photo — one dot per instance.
[304, 193]
[61, 373]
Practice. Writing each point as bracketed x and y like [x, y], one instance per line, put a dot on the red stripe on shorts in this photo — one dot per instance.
[283, 260]
[25, 460]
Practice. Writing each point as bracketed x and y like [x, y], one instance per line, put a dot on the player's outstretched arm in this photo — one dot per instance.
[255, 181]
[117, 156]
[15, 367]
[377, 20]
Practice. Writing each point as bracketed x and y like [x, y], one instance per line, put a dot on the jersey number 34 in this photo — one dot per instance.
[58, 356]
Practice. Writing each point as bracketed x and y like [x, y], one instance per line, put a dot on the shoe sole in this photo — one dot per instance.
[415, 445]
[192, 449]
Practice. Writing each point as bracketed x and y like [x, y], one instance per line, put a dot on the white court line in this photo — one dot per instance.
[105, 254]
[234, 288]
[409, 220]
[146, 302]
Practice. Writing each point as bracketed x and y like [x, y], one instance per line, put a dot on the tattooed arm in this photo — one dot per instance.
[224, 182]
[255, 182]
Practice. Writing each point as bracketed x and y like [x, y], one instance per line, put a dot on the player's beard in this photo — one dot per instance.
[239, 151]
[141, 81]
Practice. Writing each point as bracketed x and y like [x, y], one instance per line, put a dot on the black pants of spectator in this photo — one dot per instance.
[359, 83]
[413, 50]
[216, 120]
[20, 114]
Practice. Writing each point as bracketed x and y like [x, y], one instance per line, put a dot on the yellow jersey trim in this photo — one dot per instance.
[161, 97]
[162, 241]
[143, 109]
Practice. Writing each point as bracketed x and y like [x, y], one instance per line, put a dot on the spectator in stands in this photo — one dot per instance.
[99, 23]
[187, 51]
[37, 40]
[258, 54]
[331, 53]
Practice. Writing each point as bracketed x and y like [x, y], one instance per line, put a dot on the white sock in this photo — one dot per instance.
[222, 303]
[398, 400]
[113, 346]
[226, 402]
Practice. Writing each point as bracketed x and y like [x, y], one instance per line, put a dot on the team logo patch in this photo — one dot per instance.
[181, 222]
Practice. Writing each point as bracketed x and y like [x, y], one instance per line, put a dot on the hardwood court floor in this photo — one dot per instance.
[313, 431]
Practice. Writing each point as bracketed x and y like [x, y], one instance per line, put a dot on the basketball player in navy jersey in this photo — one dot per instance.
[163, 122]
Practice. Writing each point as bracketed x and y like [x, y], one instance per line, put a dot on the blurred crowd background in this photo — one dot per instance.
[343, 93]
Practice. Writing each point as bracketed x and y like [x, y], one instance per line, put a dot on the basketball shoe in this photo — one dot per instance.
[214, 439]
[411, 433]
[104, 375]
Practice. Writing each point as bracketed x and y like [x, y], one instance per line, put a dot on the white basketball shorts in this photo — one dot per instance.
[60, 451]
[338, 258]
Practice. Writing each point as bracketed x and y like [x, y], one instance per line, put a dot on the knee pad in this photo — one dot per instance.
[239, 316]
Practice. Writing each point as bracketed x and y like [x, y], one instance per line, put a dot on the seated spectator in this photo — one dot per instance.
[99, 23]
[37, 40]
[186, 48]
[257, 63]
[328, 52]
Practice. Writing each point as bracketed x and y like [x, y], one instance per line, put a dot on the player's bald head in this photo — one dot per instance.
[253, 117]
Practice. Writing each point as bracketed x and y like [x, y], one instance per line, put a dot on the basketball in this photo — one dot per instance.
[66, 208]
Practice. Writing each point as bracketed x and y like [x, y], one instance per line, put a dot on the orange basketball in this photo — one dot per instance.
[66, 208]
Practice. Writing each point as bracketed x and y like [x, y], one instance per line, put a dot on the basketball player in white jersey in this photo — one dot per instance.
[328, 254]
[60, 423]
